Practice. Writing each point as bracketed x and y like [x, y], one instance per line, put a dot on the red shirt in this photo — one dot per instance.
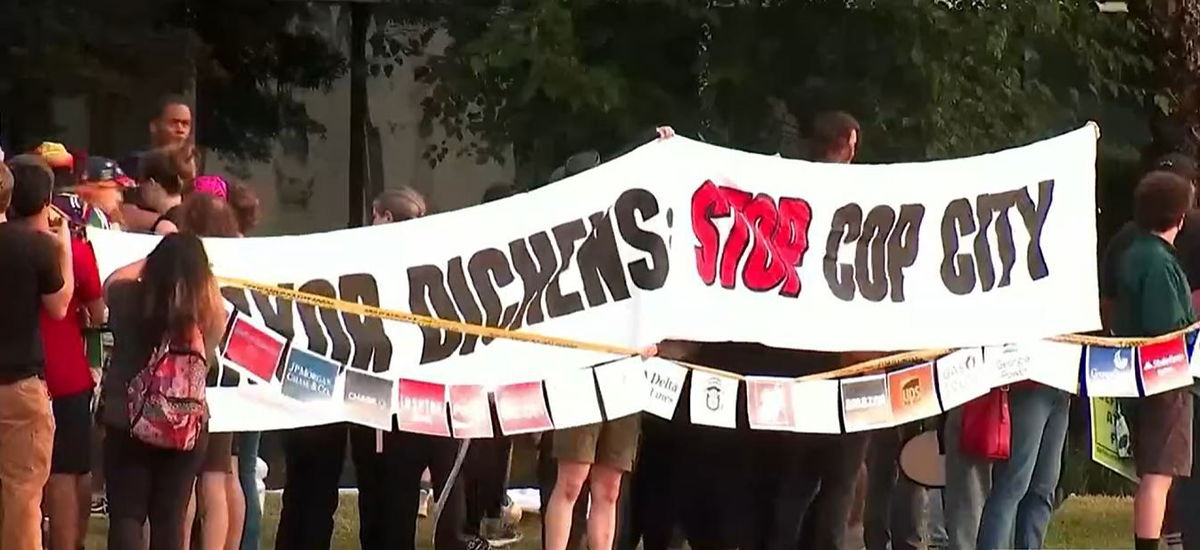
[67, 369]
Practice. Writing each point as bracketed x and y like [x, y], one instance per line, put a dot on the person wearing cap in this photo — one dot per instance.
[96, 200]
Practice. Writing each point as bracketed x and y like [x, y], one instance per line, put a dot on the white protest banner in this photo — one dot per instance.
[963, 376]
[665, 382]
[683, 240]
[714, 399]
[622, 387]
[819, 413]
[1110, 372]
[572, 398]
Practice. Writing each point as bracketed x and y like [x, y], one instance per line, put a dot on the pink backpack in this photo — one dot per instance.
[166, 399]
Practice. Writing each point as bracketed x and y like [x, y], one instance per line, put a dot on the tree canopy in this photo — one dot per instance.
[929, 79]
[244, 58]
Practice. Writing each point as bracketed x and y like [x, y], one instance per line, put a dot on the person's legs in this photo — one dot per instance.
[69, 462]
[1187, 492]
[247, 447]
[127, 468]
[839, 467]
[213, 498]
[799, 481]
[967, 483]
[237, 508]
[653, 501]
[1035, 509]
[604, 484]
[1029, 407]
[882, 473]
[370, 476]
[452, 523]
[173, 477]
[406, 456]
[26, 440]
[1162, 450]
[314, 459]
[567, 487]
[1149, 505]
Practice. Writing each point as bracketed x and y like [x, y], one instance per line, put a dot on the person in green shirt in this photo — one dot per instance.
[1153, 299]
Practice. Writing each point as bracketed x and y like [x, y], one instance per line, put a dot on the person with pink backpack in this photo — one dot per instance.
[165, 313]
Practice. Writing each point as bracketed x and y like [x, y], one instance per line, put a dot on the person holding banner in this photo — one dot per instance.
[388, 465]
[1152, 298]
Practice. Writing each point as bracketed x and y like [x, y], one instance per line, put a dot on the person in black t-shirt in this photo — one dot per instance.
[35, 273]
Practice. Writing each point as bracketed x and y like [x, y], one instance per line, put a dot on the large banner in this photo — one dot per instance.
[683, 240]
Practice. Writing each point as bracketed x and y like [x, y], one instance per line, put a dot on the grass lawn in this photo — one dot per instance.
[1083, 522]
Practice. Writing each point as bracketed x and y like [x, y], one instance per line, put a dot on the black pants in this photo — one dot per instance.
[894, 515]
[147, 483]
[653, 520]
[394, 486]
[821, 489]
[485, 479]
[389, 484]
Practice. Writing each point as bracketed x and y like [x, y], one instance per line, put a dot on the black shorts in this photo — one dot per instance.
[1162, 434]
[72, 434]
[218, 457]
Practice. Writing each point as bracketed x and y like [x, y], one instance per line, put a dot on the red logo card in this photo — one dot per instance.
[470, 414]
[521, 408]
[422, 408]
[1164, 366]
[253, 349]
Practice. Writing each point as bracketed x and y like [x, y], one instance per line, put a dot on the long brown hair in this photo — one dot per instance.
[179, 294]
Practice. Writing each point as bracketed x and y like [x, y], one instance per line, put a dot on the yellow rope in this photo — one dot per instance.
[543, 339]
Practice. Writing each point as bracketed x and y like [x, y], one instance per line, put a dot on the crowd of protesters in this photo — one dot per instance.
[619, 484]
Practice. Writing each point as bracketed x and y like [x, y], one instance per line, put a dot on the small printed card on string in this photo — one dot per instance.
[422, 408]
[521, 408]
[572, 396]
[819, 413]
[1055, 364]
[913, 396]
[1110, 372]
[1193, 359]
[769, 403]
[1164, 366]
[308, 376]
[253, 349]
[865, 403]
[664, 381]
[963, 376]
[470, 412]
[368, 399]
[1008, 363]
[622, 387]
[714, 399]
